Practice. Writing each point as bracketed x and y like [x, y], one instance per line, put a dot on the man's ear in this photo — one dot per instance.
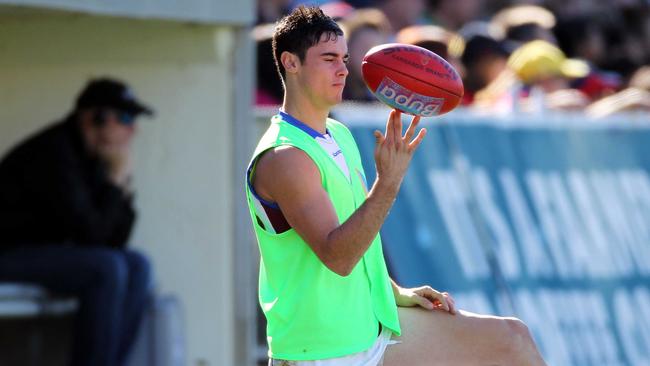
[290, 61]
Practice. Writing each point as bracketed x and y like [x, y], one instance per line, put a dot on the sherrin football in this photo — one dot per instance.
[412, 79]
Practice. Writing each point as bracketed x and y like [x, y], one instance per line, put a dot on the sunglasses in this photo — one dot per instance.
[126, 118]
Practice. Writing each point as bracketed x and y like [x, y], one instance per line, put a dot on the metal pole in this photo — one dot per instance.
[243, 129]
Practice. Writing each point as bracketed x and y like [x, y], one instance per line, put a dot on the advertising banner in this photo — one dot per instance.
[546, 219]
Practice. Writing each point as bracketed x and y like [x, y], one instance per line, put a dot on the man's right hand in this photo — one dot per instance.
[393, 152]
[119, 162]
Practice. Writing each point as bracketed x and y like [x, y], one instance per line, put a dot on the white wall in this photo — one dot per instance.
[183, 155]
[211, 11]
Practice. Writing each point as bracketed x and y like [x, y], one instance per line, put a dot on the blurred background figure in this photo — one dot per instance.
[538, 77]
[444, 43]
[519, 24]
[402, 13]
[541, 64]
[641, 78]
[627, 100]
[337, 10]
[484, 59]
[634, 98]
[453, 14]
[571, 8]
[268, 90]
[582, 36]
[546, 74]
[269, 11]
[363, 29]
[627, 32]
[66, 214]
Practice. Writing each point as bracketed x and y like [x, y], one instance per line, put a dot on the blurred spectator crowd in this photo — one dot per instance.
[514, 56]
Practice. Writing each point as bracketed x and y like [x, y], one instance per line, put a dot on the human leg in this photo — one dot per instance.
[138, 296]
[440, 338]
[96, 276]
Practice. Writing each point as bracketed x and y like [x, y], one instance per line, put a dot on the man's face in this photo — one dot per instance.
[107, 128]
[118, 128]
[322, 73]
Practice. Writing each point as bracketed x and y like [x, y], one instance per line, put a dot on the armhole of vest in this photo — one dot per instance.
[249, 174]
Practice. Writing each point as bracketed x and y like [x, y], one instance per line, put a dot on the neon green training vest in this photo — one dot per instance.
[313, 313]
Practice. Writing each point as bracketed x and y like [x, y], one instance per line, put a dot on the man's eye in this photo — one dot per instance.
[346, 60]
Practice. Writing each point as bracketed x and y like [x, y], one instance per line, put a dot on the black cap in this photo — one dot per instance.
[110, 93]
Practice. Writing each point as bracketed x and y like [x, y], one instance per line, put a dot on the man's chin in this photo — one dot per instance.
[338, 99]
[332, 100]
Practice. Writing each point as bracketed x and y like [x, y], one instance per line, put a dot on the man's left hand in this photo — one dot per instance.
[425, 297]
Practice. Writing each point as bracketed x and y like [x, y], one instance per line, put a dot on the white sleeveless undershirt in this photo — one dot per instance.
[332, 148]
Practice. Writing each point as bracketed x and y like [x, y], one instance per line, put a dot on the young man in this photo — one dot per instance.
[324, 287]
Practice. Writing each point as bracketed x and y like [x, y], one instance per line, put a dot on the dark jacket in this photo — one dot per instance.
[52, 191]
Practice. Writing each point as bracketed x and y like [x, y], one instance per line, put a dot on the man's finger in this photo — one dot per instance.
[450, 302]
[418, 139]
[434, 295]
[389, 126]
[397, 127]
[424, 302]
[379, 137]
[452, 308]
[411, 130]
[443, 303]
[449, 297]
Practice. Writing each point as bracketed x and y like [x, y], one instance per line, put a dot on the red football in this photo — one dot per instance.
[412, 79]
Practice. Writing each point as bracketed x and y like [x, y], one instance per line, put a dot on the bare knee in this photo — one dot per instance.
[519, 343]
[518, 329]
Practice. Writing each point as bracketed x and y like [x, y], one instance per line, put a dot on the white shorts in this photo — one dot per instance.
[374, 356]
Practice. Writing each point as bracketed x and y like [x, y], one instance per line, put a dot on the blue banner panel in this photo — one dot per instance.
[545, 219]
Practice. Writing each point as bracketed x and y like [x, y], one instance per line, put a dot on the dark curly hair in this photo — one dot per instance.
[299, 31]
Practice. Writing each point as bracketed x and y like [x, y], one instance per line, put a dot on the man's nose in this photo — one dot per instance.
[343, 70]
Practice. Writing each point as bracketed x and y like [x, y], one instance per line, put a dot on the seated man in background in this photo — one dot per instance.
[66, 213]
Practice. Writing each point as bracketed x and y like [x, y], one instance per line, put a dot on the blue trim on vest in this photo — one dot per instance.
[250, 186]
[301, 125]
